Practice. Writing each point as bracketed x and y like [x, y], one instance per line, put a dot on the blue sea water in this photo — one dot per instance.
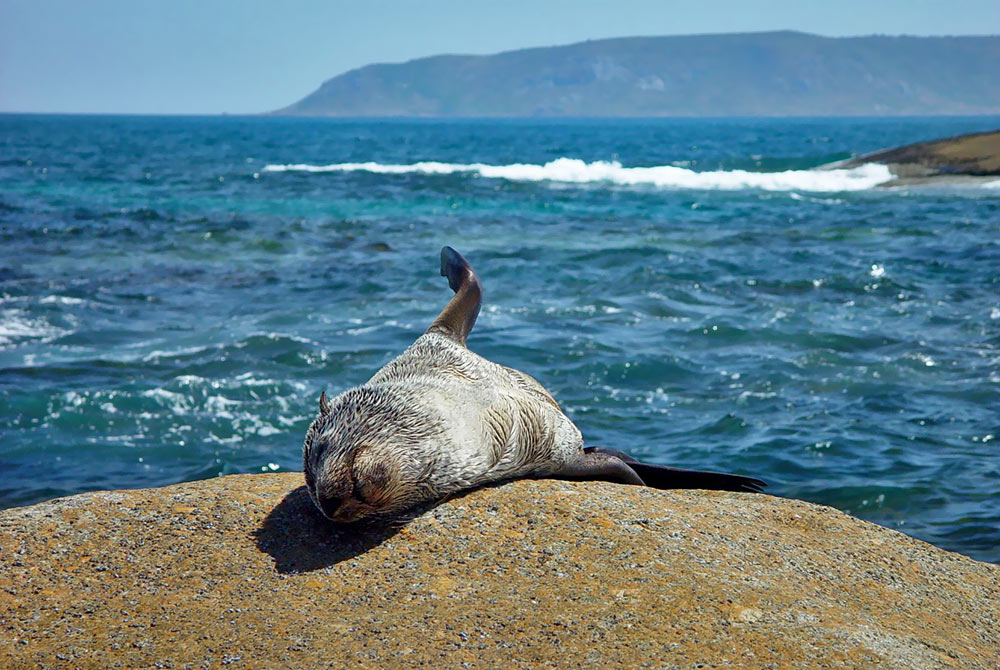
[176, 292]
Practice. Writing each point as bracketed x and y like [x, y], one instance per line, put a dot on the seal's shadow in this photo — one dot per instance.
[300, 539]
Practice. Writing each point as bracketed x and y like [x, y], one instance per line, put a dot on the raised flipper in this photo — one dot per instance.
[664, 477]
[458, 317]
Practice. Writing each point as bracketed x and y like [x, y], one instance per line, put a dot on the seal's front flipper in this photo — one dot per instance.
[458, 317]
[664, 477]
[600, 466]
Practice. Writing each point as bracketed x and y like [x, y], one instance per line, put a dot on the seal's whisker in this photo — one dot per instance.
[440, 419]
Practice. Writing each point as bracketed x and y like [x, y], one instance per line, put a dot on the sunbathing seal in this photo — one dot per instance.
[440, 418]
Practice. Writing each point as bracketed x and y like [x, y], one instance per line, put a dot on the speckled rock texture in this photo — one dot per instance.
[242, 571]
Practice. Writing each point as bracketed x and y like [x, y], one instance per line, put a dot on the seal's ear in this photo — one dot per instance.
[324, 404]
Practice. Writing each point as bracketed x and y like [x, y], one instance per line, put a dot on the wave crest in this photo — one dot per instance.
[575, 171]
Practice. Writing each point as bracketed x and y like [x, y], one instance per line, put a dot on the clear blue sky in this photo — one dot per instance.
[244, 56]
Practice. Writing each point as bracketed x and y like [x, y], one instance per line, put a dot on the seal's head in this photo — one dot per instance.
[362, 456]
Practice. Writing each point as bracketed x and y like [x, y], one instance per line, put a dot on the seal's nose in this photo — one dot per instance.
[329, 506]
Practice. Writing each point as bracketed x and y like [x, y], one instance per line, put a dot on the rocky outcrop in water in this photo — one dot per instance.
[952, 159]
[241, 571]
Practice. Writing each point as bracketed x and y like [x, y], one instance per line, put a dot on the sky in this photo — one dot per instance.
[250, 56]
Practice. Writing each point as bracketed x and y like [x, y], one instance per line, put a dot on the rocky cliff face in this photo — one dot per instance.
[242, 571]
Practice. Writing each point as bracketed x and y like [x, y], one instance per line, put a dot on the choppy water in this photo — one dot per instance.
[175, 293]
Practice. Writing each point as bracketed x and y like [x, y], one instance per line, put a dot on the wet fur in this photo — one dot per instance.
[439, 419]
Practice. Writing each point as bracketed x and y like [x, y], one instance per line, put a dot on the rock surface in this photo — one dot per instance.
[952, 159]
[241, 571]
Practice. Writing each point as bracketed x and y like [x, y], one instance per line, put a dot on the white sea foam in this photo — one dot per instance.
[575, 171]
[219, 406]
[61, 300]
[17, 326]
[176, 402]
[170, 353]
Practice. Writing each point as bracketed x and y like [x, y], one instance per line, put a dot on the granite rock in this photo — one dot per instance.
[971, 159]
[242, 571]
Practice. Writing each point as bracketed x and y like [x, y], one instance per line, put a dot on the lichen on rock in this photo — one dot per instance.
[241, 570]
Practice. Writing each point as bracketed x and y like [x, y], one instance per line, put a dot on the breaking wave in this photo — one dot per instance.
[575, 171]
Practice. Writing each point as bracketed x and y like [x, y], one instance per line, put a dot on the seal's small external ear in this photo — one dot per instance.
[324, 404]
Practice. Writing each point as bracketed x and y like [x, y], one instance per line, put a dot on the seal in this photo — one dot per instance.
[440, 419]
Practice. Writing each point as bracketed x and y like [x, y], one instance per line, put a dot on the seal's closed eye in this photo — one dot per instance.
[439, 419]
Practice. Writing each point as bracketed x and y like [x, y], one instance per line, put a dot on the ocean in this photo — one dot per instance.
[175, 293]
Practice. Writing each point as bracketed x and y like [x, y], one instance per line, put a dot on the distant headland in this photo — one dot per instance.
[742, 74]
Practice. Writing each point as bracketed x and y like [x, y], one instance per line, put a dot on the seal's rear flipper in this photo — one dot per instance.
[600, 466]
[458, 317]
[664, 477]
